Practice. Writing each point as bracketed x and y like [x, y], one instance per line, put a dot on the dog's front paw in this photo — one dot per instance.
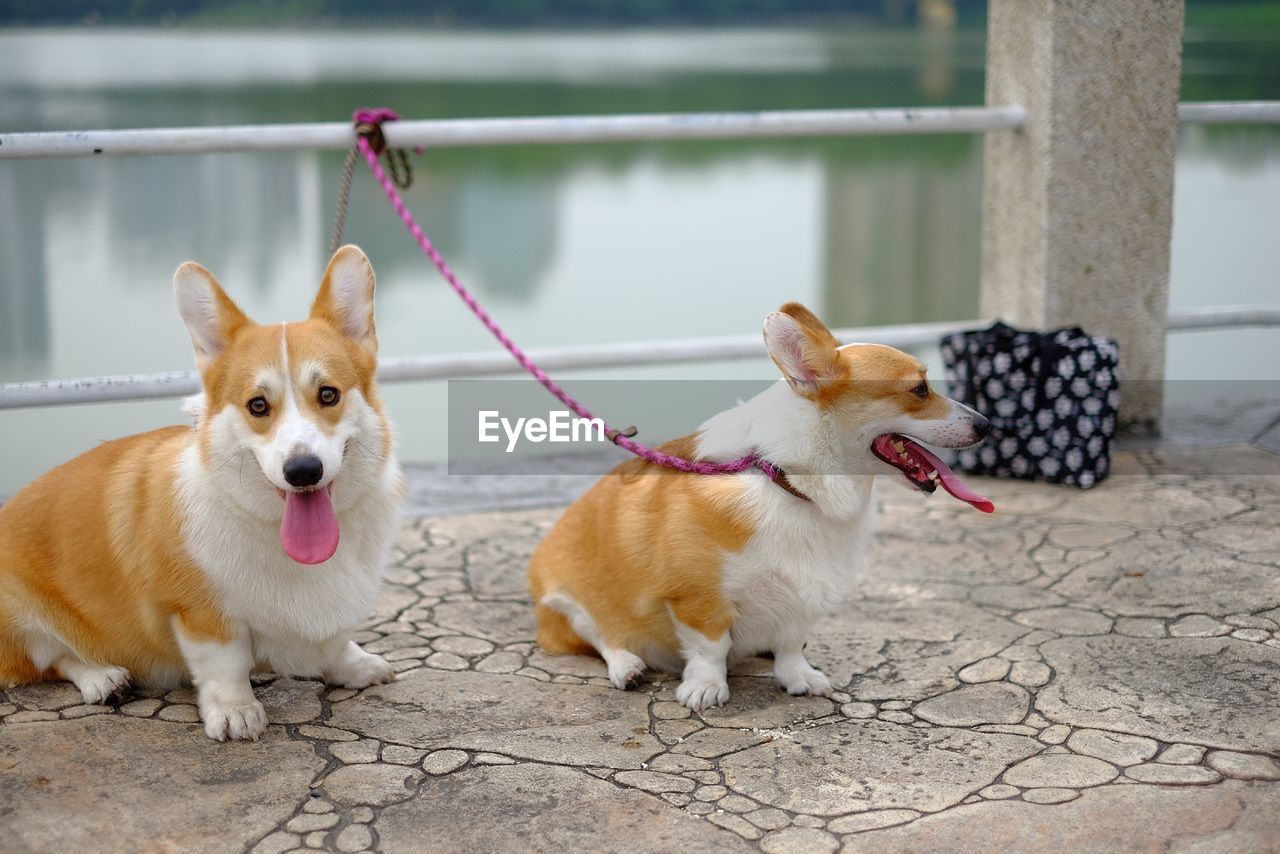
[699, 694]
[360, 669]
[624, 668]
[101, 684]
[800, 678]
[233, 720]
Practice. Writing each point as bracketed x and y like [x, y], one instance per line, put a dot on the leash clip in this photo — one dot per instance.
[613, 433]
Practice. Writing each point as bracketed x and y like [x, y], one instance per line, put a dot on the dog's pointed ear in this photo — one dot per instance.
[212, 318]
[345, 300]
[802, 347]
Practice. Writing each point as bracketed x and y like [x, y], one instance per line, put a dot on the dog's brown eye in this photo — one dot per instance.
[921, 390]
[328, 395]
[259, 407]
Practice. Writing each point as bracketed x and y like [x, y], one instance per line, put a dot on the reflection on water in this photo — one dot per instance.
[924, 208]
[566, 244]
[24, 314]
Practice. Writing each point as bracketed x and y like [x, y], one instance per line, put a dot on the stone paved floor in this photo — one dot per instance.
[1095, 671]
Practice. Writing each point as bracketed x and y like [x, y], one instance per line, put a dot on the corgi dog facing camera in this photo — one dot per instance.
[255, 539]
[680, 571]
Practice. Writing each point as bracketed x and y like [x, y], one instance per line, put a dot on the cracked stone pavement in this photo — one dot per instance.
[1094, 670]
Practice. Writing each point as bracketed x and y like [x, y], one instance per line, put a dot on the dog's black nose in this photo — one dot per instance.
[303, 470]
[981, 427]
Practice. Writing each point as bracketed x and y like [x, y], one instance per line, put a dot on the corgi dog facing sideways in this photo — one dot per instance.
[680, 571]
[255, 539]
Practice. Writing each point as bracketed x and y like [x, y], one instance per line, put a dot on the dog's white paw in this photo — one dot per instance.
[360, 669]
[624, 668]
[799, 677]
[99, 684]
[699, 694]
[235, 721]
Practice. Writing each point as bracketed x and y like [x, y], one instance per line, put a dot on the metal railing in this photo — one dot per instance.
[630, 354]
[451, 133]
[1229, 112]
[439, 133]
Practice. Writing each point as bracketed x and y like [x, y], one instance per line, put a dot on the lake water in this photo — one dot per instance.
[565, 244]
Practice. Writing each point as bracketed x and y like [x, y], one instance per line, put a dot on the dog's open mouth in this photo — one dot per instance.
[924, 470]
[309, 529]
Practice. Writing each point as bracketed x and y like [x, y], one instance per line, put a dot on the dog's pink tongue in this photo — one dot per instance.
[953, 484]
[309, 530]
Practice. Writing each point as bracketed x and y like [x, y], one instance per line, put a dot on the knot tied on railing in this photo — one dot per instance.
[368, 125]
[369, 137]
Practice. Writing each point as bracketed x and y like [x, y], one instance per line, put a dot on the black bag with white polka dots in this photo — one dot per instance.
[1051, 398]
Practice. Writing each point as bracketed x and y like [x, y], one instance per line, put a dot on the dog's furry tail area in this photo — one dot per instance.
[557, 637]
[16, 666]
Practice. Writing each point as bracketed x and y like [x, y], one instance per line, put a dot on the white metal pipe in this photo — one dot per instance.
[631, 354]
[121, 387]
[447, 133]
[1229, 112]
[1224, 316]
[460, 365]
[627, 354]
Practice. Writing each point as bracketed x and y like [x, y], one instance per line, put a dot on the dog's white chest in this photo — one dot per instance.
[281, 602]
[791, 573]
[259, 587]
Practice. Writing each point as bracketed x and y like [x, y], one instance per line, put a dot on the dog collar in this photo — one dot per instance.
[780, 479]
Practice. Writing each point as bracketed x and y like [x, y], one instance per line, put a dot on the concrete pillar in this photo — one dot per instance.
[1077, 205]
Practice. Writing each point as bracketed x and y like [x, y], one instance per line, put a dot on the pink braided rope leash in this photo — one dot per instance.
[377, 116]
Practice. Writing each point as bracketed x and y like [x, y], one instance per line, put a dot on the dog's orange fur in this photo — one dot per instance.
[854, 375]
[94, 549]
[641, 538]
[314, 341]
